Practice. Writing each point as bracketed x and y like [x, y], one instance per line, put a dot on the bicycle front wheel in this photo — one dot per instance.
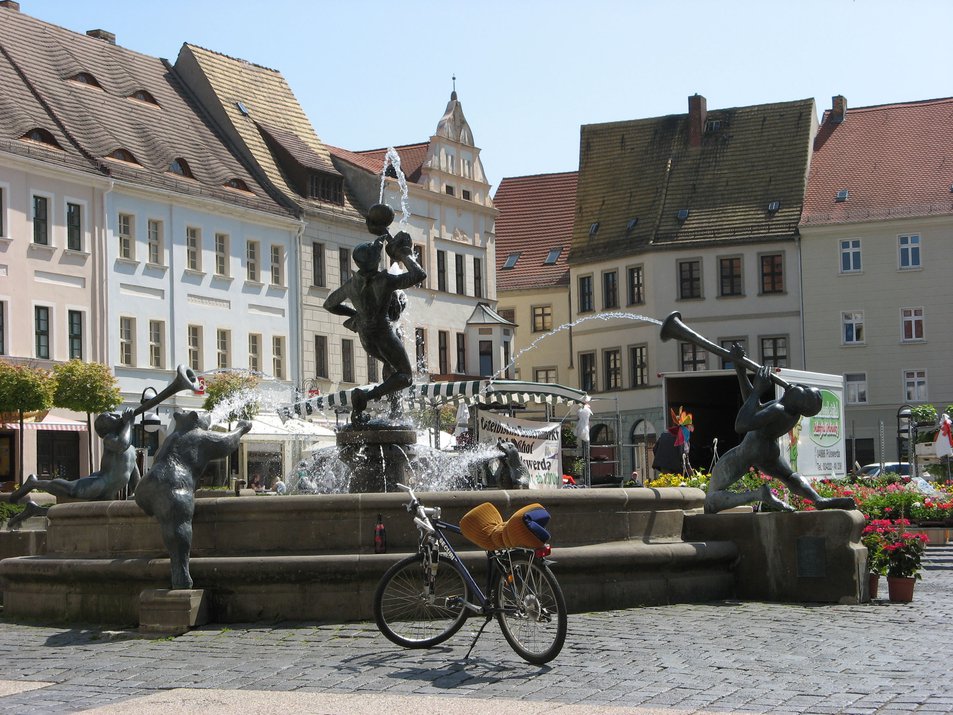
[531, 610]
[416, 607]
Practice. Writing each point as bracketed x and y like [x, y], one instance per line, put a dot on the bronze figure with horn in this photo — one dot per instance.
[118, 468]
[763, 424]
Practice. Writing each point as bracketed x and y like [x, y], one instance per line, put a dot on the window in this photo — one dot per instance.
[729, 270]
[193, 249]
[41, 331]
[610, 290]
[850, 255]
[441, 270]
[74, 227]
[507, 314]
[223, 348]
[373, 369]
[909, 247]
[772, 274]
[127, 245]
[467, 196]
[154, 231]
[443, 352]
[344, 265]
[419, 252]
[254, 352]
[545, 374]
[461, 353]
[195, 347]
[180, 167]
[278, 357]
[612, 369]
[486, 357]
[41, 220]
[347, 360]
[510, 261]
[450, 190]
[221, 254]
[467, 167]
[636, 285]
[127, 341]
[542, 318]
[318, 275]
[449, 163]
[915, 385]
[251, 261]
[156, 344]
[420, 340]
[639, 365]
[478, 277]
[855, 387]
[327, 188]
[774, 351]
[277, 265]
[726, 362]
[689, 279]
[587, 372]
[459, 261]
[912, 322]
[853, 331]
[553, 256]
[692, 358]
[585, 294]
[321, 355]
[74, 320]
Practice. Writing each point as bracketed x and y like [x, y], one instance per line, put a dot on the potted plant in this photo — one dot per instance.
[903, 554]
[873, 538]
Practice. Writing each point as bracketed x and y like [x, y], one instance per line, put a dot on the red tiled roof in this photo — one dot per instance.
[893, 159]
[536, 216]
[412, 158]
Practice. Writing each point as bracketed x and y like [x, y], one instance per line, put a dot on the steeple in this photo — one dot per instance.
[453, 125]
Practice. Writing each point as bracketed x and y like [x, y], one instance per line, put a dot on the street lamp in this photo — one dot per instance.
[904, 431]
[150, 420]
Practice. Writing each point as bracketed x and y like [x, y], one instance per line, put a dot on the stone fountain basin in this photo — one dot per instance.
[311, 557]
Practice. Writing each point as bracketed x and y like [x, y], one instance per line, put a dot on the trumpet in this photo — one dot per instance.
[184, 379]
[674, 328]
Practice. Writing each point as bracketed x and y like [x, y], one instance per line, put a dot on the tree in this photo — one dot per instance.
[86, 387]
[24, 389]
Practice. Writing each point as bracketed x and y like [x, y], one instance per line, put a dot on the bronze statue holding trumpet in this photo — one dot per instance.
[762, 424]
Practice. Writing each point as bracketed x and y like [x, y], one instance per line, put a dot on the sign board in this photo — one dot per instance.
[538, 444]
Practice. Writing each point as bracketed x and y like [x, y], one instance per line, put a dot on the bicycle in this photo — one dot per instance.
[425, 598]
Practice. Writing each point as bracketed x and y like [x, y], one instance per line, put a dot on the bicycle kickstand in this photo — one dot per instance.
[479, 633]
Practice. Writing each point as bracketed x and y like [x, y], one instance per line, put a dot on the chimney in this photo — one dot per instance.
[10, 5]
[103, 35]
[838, 109]
[697, 111]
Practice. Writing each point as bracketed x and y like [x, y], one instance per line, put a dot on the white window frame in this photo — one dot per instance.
[852, 248]
[155, 239]
[193, 249]
[222, 242]
[855, 391]
[915, 385]
[223, 348]
[855, 320]
[253, 261]
[277, 264]
[909, 252]
[127, 343]
[157, 344]
[194, 340]
[278, 357]
[912, 316]
[83, 212]
[49, 218]
[254, 352]
[127, 238]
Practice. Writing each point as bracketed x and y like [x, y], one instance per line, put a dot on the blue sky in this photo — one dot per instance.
[529, 73]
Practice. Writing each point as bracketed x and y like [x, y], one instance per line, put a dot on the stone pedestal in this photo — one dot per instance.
[378, 456]
[172, 612]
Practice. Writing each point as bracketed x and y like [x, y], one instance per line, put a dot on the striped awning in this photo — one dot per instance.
[437, 393]
[48, 423]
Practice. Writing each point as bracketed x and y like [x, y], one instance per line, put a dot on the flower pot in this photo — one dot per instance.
[874, 584]
[900, 588]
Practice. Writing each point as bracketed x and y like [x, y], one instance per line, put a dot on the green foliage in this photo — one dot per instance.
[8, 511]
[24, 388]
[568, 436]
[85, 387]
[235, 386]
[923, 414]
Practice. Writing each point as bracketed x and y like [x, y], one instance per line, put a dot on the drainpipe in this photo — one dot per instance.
[800, 277]
[298, 319]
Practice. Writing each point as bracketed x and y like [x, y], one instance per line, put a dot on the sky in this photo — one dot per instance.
[529, 73]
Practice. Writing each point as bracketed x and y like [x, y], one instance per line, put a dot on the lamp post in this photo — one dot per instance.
[904, 430]
[150, 422]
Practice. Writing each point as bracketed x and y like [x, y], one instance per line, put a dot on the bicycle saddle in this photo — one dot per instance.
[484, 526]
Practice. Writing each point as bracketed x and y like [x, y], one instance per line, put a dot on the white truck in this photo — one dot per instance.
[815, 449]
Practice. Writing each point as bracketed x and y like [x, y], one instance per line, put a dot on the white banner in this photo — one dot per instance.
[538, 444]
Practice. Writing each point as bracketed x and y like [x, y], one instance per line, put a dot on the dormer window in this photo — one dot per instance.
[325, 187]
[773, 207]
[593, 229]
[390, 171]
[553, 256]
[511, 261]
[142, 95]
[712, 125]
[86, 78]
[237, 184]
[123, 155]
[180, 167]
[842, 196]
[41, 136]
[682, 215]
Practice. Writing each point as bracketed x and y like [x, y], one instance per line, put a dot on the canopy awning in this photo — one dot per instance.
[49, 422]
[436, 393]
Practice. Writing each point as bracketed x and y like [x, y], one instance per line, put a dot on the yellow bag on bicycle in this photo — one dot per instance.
[483, 525]
[526, 529]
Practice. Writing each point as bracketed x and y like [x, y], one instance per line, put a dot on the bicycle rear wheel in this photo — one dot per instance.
[532, 610]
[415, 614]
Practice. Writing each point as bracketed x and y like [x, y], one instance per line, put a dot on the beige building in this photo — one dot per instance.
[874, 236]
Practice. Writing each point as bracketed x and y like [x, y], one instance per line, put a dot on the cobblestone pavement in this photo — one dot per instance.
[717, 657]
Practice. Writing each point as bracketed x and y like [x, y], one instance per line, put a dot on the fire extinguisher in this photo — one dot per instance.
[380, 537]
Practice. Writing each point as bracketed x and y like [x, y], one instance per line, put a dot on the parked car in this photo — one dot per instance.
[873, 470]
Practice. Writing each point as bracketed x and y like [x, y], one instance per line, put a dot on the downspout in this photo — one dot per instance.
[800, 278]
[102, 284]
[298, 319]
